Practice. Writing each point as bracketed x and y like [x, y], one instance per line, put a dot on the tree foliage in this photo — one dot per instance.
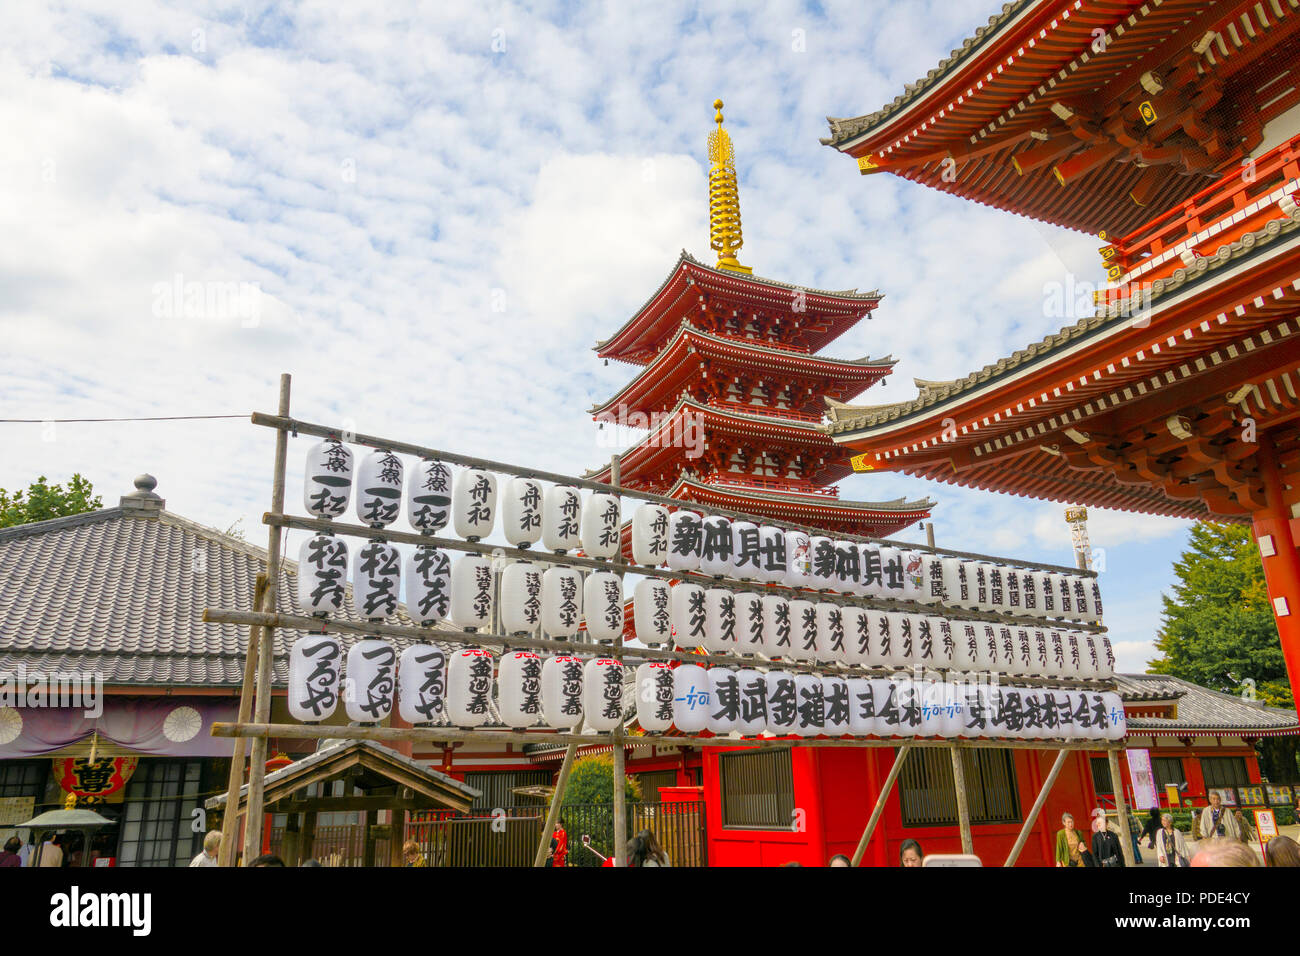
[592, 781]
[42, 501]
[1218, 629]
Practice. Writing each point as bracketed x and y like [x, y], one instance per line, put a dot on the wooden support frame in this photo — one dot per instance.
[1032, 817]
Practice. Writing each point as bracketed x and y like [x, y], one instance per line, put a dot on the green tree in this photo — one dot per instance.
[42, 500]
[1218, 629]
[588, 807]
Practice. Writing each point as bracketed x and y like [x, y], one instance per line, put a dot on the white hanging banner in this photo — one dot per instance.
[600, 532]
[421, 684]
[428, 497]
[379, 489]
[561, 518]
[322, 574]
[371, 680]
[651, 611]
[314, 677]
[327, 482]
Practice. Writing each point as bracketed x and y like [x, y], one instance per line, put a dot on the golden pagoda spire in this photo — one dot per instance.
[724, 198]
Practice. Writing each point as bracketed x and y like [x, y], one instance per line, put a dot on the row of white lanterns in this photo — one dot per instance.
[721, 620]
[562, 520]
[430, 686]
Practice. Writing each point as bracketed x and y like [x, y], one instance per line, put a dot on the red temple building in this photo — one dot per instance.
[1172, 131]
[732, 390]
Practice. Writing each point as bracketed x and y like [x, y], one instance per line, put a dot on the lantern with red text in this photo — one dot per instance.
[654, 696]
[519, 688]
[469, 687]
[562, 691]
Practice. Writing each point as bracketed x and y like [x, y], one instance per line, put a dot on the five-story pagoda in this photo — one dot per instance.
[732, 390]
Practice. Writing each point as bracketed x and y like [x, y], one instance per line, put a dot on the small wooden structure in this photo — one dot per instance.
[388, 781]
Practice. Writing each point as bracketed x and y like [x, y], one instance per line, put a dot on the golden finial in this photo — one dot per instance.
[725, 236]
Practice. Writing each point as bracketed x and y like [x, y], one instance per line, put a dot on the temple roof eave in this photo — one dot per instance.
[896, 506]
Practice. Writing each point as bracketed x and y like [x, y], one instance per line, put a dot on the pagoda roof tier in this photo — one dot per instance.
[664, 450]
[875, 519]
[1091, 114]
[680, 362]
[1142, 410]
[820, 316]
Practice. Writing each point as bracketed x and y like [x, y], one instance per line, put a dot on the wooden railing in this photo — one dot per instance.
[1243, 200]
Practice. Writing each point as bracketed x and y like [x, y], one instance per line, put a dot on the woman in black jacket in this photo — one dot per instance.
[1105, 845]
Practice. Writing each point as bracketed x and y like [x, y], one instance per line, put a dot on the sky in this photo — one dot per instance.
[429, 212]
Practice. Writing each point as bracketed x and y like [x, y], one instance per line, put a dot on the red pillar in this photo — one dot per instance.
[1277, 548]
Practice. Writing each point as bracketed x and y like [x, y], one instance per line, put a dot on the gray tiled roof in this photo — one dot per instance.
[115, 593]
[1107, 319]
[848, 128]
[1199, 708]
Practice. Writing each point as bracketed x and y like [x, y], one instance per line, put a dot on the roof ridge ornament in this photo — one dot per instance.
[725, 237]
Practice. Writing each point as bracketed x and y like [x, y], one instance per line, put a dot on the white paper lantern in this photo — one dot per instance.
[1094, 600]
[471, 591]
[379, 489]
[469, 687]
[957, 583]
[1055, 654]
[1106, 657]
[421, 684]
[988, 643]
[1031, 708]
[749, 623]
[1079, 590]
[999, 596]
[371, 681]
[856, 622]
[798, 560]
[376, 581]
[562, 691]
[689, 615]
[932, 583]
[913, 576]
[778, 632]
[836, 705]
[691, 701]
[1089, 657]
[889, 640]
[823, 562]
[1011, 582]
[327, 482]
[908, 639]
[811, 705]
[884, 692]
[715, 546]
[724, 701]
[602, 693]
[428, 497]
[872, 643]
[428, 585]
[1047, 598]
[685, 538]
[930, 693]
[602, 596]
[908, 696]
[521, 598]
[1006, 650]
[1031, 597]
[1007, 717]
[474, 503]
[782, 703]
[746, 554]
[924, 639]
[1064, 598]
[803, 631]
[652, 612]
[519, 688]
[945, 643]
[314, 677]
[753, 702]
[1065, 726]
[562, 519]
[892, 573]
[561, 601]
[1116, 723]
[831, 640]
[322, 574]
[981, 575]
[649, 535]
[862, 706]
[1025, 663]
[654, 696]
[720, 624]
[601, 526]
[965, 645]
[773, 557]
[954, 711]
[1073, 656]
[848, 567]
[521, 511]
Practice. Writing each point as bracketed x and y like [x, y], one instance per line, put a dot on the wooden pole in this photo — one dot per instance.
[308, 834]
[230, 822]
[557, 799]
[1121, 806]
[963, 807]
[257, 771]
[620, 795]
[1037, 808]
[881, 800]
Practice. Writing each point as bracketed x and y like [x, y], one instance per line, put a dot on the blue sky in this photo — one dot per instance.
[440, 207]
